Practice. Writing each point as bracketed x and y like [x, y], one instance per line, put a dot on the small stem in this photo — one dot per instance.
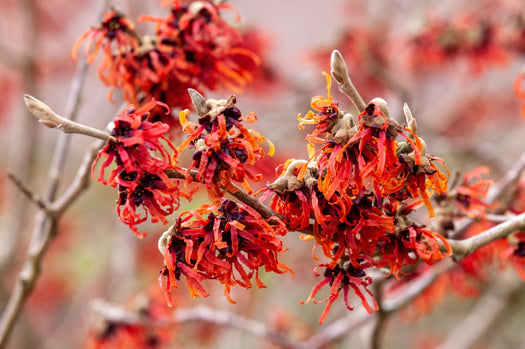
[344, 83]
[49, 118]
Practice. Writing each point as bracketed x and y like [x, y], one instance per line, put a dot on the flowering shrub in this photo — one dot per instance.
[392, 225]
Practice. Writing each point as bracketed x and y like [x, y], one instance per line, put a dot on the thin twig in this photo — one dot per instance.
[344, 83]
[44, 230]
[239, 193]
[225, 318]
[49, 118]
[29, 193]
[80, 183]
[478, 321]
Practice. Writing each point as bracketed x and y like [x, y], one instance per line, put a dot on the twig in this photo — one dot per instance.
[80, 183]
[49, 118]
[224, 318]
[496, 191]
[344, 83]
[337, 329]
[44, 230]
[510, 178]
[477, 322]
[30, 194]
[239, 194]
[462, 248]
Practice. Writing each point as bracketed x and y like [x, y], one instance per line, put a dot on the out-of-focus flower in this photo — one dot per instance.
[476, 40]
[140, 326]
[519, 90]
[193, 47]
[229, 244]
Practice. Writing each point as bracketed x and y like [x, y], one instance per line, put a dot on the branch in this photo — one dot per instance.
[29, 193]
[463, 248]
[115, 314]
[344, 83]
[49, 118]
[478, 321]
[239, 194]
[80, 183]
[224, 318]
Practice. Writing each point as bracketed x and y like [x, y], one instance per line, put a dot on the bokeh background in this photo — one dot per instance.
[465, 106]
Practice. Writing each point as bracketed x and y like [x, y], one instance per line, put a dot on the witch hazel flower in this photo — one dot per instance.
[193, 47]
[138, 149]
[345, 277]
[224, 147]
[228, 243]
[365, 174]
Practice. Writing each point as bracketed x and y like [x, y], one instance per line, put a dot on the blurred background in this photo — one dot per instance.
[454, 62]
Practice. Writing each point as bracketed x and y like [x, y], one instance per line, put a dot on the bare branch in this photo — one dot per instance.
[224, 318]
[29, 193]
[344, 83]
[80, 183]
[462, 248]
[239, 194]
[49, 118]
[478, 321]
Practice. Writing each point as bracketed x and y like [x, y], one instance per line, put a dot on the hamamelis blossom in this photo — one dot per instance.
[138, 149]
[473, 39]
[354, 193]
[408, 246]
[193, 47]
[224, 147]
[344, 278]
[229, 244]
[114, 33]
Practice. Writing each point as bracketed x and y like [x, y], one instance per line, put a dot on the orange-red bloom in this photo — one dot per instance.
[229, 244]
[137, 147]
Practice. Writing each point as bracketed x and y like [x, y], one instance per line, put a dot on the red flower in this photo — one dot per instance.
[138, 149]
[343, 278]
[408, 246]
[466, 37]
[114, 30]
[229, 244]
[224, 147]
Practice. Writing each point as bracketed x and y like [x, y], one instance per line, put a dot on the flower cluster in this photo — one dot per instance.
[193, 47]
[229, 243]
[138, 148]
[356, 190]
[223, 146]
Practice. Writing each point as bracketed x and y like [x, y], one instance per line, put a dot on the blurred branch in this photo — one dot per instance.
[225, 318]
[509, 179]
[462, 248]
[29, 193]
[115, 314]
[43, 235]
[479, 320]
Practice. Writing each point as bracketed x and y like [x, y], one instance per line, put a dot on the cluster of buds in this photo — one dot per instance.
[357, 190]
